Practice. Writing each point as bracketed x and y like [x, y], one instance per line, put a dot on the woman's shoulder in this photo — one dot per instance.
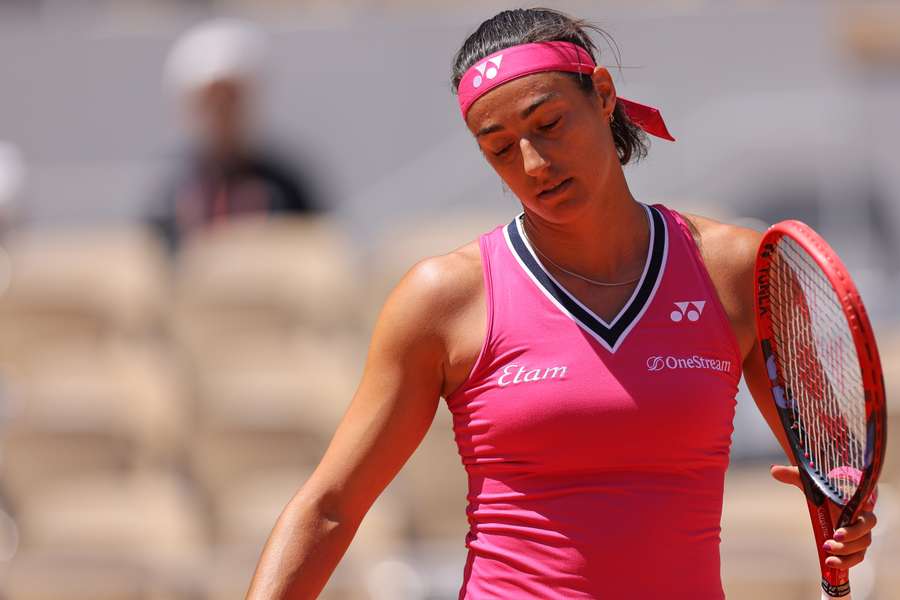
[438, 288]
[724, 247]
[437, 310]
[729, 254]
[447, 275]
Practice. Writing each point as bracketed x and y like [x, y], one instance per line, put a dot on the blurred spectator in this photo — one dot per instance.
[12, 178]
[214, 72]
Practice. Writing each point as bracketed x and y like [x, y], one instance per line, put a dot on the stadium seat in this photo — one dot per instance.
[261, 408]
[150, 517]
[80, 285]
[72, 414]
[271, 278]
[38, 577]
[147, 526]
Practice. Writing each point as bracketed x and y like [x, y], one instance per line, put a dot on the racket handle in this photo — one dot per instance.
[842, 590]
[835, 582]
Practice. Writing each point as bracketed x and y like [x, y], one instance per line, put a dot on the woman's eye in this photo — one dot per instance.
[502, 150]
[550, 125]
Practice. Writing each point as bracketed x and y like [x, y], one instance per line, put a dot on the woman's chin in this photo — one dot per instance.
[561, 209]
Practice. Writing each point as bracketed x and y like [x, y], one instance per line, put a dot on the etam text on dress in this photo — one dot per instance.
[514, 374]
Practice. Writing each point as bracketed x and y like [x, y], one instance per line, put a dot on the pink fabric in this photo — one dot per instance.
[527, 59]
[596, 461]
[851, 473]
[518, 61]
[646, 117]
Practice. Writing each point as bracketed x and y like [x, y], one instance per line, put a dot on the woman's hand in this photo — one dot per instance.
[849, 545]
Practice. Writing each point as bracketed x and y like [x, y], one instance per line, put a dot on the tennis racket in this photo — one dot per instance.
[825, 375]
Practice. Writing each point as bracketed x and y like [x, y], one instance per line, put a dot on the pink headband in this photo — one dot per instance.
[526, 59]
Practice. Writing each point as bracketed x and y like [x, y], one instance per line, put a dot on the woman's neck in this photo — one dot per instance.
[607, 242]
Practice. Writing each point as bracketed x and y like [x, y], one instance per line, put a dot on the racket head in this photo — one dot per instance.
[799, 277]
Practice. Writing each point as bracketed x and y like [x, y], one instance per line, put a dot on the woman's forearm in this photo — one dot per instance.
[305, 546]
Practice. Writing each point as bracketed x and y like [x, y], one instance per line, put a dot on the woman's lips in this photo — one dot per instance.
[558, 189]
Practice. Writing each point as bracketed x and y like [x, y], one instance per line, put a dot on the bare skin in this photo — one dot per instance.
[537, 132]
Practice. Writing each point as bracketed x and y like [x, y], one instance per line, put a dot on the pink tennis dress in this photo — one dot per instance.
[595, 451]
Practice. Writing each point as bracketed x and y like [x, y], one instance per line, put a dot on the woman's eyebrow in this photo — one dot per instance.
[489, 129]
[524, 114]
[537, 103]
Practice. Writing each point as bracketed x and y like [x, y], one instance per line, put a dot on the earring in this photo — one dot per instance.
[611, 117]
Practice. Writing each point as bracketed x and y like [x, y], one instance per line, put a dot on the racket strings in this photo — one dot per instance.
[833, 336]
[816, 358]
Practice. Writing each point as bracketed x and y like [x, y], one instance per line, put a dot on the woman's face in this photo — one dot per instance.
[221, 115]
[549, 140]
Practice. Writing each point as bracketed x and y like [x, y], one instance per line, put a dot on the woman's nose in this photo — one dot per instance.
[532, 159]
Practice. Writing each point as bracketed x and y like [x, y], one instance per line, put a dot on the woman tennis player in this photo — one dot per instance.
[589, 351]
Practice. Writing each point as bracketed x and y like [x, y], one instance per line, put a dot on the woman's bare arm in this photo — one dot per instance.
[390, 413]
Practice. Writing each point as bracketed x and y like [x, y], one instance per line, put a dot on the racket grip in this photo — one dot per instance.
[835, 582]
[825, 596]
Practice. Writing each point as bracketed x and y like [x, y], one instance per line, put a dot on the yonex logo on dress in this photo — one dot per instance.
[691, 310]
[661, 363]
[487, 72]
[513, 373]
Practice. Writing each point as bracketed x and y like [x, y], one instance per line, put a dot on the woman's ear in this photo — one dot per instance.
[605, 90]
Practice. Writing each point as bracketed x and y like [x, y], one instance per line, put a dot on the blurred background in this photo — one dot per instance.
[203, 204]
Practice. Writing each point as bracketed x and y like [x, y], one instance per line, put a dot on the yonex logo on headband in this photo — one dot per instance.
[485, 72]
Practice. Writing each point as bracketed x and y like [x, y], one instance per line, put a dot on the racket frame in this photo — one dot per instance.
[835, 582]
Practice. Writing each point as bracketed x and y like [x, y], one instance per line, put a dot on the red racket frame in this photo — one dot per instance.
[835, 582]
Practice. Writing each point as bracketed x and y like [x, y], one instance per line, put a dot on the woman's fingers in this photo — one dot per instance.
[786, 474]
[850, 547]
[845, 562]
[863, 525]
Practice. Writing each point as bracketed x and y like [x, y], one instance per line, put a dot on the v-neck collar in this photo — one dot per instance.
[609, 335]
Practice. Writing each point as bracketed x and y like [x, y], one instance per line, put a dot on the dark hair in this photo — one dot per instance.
[528, 25]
